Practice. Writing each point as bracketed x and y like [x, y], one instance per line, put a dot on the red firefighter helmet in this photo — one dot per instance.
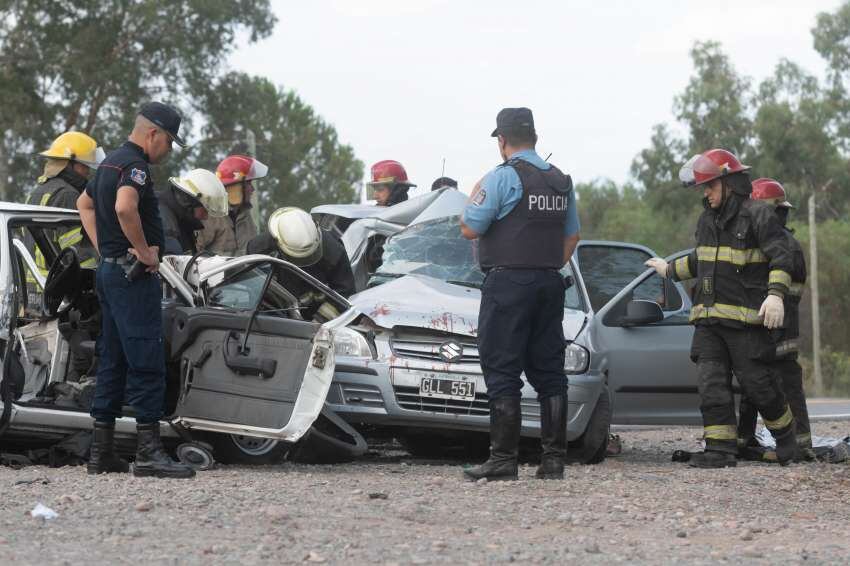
[706, 167]
[389, 172]
[770, 189]
[238, 168]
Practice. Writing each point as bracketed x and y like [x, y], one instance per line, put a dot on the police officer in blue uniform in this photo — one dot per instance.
[120, 213]
[523, 214]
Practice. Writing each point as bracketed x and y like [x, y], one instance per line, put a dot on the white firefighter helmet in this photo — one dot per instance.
[297, 236]
[206, 188]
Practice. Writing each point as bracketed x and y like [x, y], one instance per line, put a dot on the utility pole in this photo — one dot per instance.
[813, 253]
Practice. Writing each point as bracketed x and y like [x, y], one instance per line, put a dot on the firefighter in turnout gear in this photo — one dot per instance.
[524, 216]
[786, 364]
[230, 234]
[68, 163]
[389, 184]
[185, 204]
[293, 236]
[742, 265]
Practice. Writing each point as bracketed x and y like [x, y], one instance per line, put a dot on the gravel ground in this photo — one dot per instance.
[638, 507]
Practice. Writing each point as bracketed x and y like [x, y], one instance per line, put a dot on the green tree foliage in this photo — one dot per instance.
[88, 65]
[714, 104]
[308, 165]
[789, 127]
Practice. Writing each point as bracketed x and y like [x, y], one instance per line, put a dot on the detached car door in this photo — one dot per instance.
[644, 335]
[248, 363]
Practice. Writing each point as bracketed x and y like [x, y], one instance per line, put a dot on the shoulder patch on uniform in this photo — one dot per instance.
[479, 197]
[138, 176]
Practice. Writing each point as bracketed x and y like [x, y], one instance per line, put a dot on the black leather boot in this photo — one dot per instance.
[786, 447]
[505, 423]
[713, 459]
[103, 459]
[553, 437]
[152, 459]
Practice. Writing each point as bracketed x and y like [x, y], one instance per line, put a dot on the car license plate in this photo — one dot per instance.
[447, 389]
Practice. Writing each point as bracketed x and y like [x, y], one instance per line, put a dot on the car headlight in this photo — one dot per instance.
[349, 342]
[577, 359]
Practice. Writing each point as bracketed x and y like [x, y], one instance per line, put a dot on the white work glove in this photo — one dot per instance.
[658, 265]
[773, 311]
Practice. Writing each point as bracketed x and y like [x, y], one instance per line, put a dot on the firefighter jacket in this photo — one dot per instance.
[228, 236]
[178, 224]
[789, 345]
[742, 254]
[62, 191]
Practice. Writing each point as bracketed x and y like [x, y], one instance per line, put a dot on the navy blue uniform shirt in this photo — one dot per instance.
[127, 166]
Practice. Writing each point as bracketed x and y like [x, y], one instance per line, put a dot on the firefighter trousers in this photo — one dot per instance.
[791, 376]
[720, 350]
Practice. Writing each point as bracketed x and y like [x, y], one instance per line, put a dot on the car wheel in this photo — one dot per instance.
[238, 449]
[591, 447]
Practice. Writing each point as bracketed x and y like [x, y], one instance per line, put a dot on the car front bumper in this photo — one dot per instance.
[370, 392]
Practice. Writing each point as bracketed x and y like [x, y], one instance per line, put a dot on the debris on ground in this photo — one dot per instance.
[615, 445]
[41, 511]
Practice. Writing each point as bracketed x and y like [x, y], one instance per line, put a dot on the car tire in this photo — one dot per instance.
[591, 447]
[236, 449]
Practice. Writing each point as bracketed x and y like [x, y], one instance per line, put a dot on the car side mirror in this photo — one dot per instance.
[639, 313]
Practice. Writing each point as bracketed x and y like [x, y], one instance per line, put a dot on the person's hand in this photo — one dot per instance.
[149, 257]
[773, 311]
[658, 264]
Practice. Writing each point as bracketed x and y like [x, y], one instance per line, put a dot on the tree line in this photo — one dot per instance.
[88, 65]
[792, 127]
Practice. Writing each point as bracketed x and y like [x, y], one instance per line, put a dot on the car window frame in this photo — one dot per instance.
[640, 279]
[603, 243]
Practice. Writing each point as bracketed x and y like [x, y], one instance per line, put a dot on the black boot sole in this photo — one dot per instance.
[147, 473]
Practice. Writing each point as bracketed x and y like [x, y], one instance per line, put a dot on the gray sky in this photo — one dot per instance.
[418, 81]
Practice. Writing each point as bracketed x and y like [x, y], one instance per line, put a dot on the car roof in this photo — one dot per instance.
[17, 207]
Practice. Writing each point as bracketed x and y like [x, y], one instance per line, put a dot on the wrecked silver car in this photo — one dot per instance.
[246, 372]
[412, 362]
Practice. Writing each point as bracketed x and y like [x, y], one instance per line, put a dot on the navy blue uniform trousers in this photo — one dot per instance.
[520, 328]
[131, 358]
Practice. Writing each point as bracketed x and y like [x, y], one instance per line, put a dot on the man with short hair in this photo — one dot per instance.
[120, 213]
[523, 214]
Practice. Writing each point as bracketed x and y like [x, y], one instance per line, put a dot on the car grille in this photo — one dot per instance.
[423, 346]
[410, 399]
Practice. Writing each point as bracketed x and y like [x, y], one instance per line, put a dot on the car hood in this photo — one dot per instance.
[420, 301]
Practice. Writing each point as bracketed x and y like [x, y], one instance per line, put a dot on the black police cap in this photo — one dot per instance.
[511, 120]
[166, 117]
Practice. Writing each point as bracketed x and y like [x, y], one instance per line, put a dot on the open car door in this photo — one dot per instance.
[644, 334]
[249, 364]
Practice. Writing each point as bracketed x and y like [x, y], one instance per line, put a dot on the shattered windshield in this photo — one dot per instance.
[436, 248]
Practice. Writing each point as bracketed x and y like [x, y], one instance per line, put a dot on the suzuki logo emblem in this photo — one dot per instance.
[451, 351]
